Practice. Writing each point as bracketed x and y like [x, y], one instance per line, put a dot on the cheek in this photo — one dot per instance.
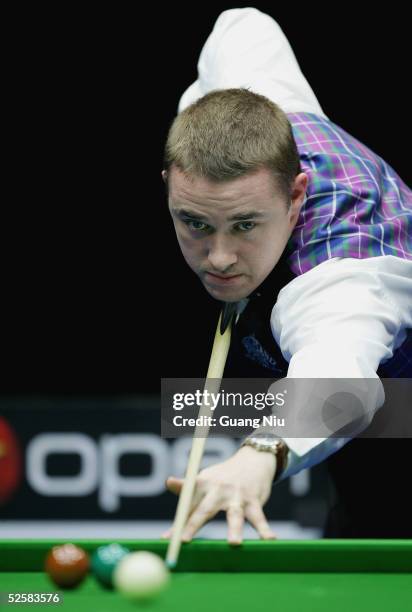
[266, 249]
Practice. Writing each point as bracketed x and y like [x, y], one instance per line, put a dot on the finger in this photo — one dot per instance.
[256, 517]
[206, 510]
[235, 520]
[174, 485]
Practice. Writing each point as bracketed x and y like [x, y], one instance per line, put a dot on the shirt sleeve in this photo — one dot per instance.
[247, 48]
[341, 320]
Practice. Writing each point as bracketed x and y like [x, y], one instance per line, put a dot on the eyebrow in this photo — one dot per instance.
[249, 214]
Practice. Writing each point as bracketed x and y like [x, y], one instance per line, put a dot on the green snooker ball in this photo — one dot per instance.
[104, 562]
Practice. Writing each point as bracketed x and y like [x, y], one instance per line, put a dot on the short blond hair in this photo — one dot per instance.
[232, 132]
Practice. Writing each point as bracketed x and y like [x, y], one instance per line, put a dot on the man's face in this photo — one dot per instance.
[232, 234]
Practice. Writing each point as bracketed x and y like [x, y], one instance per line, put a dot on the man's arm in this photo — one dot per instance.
[341, 320]
[247, 48]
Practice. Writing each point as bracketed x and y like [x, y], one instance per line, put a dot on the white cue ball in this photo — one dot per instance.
[141, 575]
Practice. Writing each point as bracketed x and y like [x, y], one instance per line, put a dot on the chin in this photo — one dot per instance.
[225, 295]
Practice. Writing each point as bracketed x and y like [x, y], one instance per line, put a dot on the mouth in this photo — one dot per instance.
[215, 279]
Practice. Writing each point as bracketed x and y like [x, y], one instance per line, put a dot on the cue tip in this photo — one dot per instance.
[171, 564]
[228, 313]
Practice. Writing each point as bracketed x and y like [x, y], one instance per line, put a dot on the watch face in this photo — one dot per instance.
[266, 441]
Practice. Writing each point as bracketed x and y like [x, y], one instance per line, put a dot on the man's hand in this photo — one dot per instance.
[240, 486]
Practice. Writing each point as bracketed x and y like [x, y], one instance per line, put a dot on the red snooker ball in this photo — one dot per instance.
[67, 565]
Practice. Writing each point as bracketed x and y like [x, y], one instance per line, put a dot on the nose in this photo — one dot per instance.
[221, 255]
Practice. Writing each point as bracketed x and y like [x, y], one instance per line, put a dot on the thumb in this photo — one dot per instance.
[174, 484]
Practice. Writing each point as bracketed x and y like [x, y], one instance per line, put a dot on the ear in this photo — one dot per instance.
[164, 175]
[298, 196]
[299, 188]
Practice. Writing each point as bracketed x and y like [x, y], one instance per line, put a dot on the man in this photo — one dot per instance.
[277, 208]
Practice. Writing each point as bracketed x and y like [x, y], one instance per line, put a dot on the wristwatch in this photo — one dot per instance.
[272, 444]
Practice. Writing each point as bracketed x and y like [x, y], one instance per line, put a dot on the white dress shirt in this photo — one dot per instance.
[341, 320]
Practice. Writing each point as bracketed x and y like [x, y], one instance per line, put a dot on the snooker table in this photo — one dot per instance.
[211, 575]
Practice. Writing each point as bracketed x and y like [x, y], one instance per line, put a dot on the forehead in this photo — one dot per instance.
[256, 187]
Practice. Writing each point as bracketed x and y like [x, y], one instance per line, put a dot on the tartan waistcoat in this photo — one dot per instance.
[355, 206]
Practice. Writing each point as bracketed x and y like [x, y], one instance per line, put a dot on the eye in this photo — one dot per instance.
[197, 226]
[245, 226]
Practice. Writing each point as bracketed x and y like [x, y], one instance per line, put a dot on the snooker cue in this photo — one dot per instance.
[213, 381]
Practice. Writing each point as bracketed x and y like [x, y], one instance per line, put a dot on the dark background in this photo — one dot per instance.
[95, 295]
